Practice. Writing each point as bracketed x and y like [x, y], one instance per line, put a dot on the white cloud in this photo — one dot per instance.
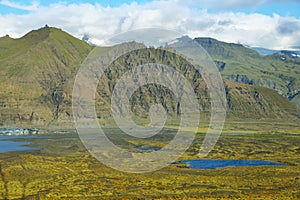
[103, 22]
[221, 4]
[231, 4]
[32, 7]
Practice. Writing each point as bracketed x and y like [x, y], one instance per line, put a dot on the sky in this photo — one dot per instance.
[273, 24]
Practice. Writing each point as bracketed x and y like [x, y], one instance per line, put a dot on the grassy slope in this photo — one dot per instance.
[278, 72]
[25, 60]
[47, 51]
[244, 101]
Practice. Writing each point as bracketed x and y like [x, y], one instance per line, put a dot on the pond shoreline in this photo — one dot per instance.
[222, 163]
[9, 144]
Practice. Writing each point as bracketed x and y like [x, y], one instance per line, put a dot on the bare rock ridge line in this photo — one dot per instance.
[37, 74]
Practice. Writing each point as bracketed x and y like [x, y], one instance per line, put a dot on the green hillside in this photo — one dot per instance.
[244, 101]
[241, 64]
[37, 72]
[33, 65]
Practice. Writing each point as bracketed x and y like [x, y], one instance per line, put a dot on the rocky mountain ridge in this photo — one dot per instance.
[38, 71]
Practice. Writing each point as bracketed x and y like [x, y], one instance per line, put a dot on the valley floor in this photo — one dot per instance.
[63, 169]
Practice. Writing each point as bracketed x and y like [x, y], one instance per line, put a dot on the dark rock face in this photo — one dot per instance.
[241, 78]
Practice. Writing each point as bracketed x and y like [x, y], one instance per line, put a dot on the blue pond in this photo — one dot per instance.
[148, 148]
[6, 145]
[215, 164]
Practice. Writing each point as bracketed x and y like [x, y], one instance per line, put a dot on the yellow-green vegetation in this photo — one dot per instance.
[64, 169]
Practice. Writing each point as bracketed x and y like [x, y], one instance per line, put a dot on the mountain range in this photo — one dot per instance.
[265, 52]
[37, 73]
[279, 71]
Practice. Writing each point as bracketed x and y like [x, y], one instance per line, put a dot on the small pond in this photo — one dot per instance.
[148, 148]
[6, 145]
[215, 164]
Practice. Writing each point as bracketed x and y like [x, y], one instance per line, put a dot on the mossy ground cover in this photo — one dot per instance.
[63, 169]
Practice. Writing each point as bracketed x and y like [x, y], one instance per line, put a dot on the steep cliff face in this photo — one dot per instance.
[244, 101]
[37, 73]
[279, 71]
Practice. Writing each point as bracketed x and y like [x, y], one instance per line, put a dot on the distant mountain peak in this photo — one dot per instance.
[210, 40]
[90, 40]
[86, 38]
[184, 39]
[266, 52]
[206, 38]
